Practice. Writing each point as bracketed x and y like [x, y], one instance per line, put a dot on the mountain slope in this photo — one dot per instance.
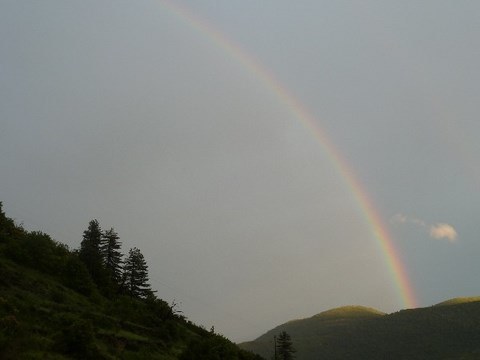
[40, 318]
[438, 332]
[51, 309]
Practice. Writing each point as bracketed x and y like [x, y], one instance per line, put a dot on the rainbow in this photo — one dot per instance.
[384, 240]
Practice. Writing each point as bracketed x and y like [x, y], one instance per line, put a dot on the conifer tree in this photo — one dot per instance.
[112, 257]
[135, 275]
[285, 348]
[90, 252]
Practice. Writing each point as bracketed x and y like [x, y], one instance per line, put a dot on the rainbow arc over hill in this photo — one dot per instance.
[384, 240]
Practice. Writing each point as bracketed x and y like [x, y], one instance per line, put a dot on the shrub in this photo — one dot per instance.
[78, 340]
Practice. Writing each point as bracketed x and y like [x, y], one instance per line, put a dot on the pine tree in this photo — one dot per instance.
[112, 257]
[285, 348]
[90, 252]
[135, 275]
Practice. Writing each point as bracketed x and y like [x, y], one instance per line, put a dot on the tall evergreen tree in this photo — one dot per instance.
[135, 275]
[90, 252]
[285, 348]
[112, 257]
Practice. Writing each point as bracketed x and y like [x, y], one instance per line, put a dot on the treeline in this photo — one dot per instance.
[97, 267]
[93, 302]
[100, 252]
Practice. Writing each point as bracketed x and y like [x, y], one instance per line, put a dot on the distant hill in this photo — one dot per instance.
[459, 300]
[348, 312]
[450, 330]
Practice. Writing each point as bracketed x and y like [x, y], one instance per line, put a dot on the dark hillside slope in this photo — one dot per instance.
[51, 309]
[308, 333]
[437, 332]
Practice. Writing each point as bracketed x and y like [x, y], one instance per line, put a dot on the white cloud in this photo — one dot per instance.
[443, 231]
[418, 222]
[403, 219]
[398, 219]
[438, 231]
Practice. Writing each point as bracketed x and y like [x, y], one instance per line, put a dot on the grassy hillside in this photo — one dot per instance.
[308, 334]
[51, 309]
[451, 331]
[348, 312]
[459, 300]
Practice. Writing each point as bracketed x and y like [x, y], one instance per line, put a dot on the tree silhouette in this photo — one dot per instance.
[112, 257]
[8, 227]
[90, 252]
[285, 349]
[135, 275]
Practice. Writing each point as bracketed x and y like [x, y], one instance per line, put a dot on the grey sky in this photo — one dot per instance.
[122, 111]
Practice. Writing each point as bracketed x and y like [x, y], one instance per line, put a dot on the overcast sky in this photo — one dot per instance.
[126, 112]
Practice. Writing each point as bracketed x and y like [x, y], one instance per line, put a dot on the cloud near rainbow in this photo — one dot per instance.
[391, 255]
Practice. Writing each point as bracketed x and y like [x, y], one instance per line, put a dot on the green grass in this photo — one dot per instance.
[42, 319]
[52, 307]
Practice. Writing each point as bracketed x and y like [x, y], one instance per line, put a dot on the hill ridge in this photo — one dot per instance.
[435, 332]
[349, 311]
[459, 300]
